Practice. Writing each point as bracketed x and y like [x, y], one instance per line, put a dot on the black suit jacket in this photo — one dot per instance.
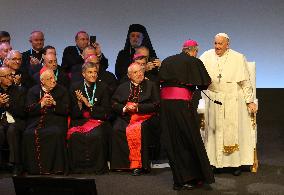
[72, 61]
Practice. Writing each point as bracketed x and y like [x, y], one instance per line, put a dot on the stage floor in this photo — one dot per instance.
[268, 180]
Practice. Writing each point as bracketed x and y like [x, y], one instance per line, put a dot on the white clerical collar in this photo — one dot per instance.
[36, 51]
[135, 84]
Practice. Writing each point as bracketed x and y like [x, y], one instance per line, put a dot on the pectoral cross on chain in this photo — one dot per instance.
[219, 77]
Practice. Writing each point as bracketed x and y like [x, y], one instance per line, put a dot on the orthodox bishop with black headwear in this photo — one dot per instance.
[229, 139]
[137, 36]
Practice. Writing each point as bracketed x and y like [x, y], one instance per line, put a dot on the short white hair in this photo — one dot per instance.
[130, 67]
[223, 35]
[12, 52]
[48, 71]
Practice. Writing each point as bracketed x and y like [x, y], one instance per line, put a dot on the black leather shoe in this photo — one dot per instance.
[216, 170]
[17, 170]
[188, 186]
[197, 183]
[179, 187]
[237, 171]
[136, 172]
[146, 170]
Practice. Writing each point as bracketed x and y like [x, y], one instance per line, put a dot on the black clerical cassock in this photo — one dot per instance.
[180, 74]
[127, 151]
[26, 57]
[89, 132]
[44, 138]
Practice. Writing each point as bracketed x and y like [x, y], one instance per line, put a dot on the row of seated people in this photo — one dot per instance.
[73, 56]
[28, 76]
[26, 66]
[41, 141]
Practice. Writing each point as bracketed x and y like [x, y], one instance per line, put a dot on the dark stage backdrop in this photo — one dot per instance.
[256, 26]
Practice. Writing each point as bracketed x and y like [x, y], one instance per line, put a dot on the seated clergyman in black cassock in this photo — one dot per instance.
[44, 148]
[88, 135]
[136, 103]
[12, 102]
[50, 62]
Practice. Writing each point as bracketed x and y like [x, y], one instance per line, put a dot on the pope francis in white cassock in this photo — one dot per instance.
[228, 141]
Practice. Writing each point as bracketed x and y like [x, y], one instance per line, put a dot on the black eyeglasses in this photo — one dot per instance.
[16, 59]
[7, 75]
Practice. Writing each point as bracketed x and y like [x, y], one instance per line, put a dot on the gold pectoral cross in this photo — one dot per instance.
[219, 77]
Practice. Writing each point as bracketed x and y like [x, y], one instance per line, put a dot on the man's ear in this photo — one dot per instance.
[6, 62]
[40, 80]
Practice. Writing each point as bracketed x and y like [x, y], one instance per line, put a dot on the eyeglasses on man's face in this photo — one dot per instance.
[7, 75]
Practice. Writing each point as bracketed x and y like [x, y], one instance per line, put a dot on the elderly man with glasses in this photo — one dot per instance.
[12, 116]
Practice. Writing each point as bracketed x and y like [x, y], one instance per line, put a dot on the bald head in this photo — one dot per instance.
[13, 53]
[89, 50]
[5, 77]
[46, 73]
[37, 40]
[13, 59]
[47, 79]
[92, 58]
[4, 70]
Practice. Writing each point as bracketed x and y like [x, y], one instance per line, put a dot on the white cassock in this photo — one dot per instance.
[229, 140]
